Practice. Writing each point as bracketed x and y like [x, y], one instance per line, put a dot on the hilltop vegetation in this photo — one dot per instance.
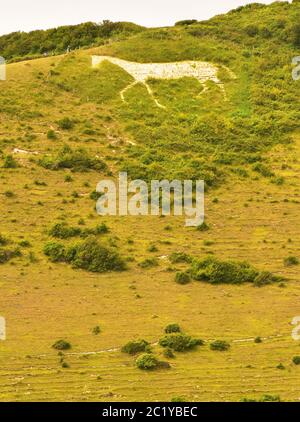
[79, 290]
[22, 45]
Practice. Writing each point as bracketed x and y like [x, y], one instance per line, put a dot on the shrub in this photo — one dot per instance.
[180, 342]
[89, 255]
[178, 399]
[77, 160]
[203, 227]
[281, 367]
[172, 328]
[149, 263]
[147, 362]
[264, 278]
[96, 330]
[135, 347]
[9, 194]
[10, 162]
[180, 257]
[186, 22]
[3, 240]
[168, 353]
[296, 360]
[291, 261]
[215, 271]
[92, 256]
[95, 195]
[258, 340]
[61, 345]
[220, 346]
[182, 278]
[152, 248]
[252, 30]
[263, 170]
[7, 254]
[270, 398]
[63, 231]
[51, 134]
[66, 123]
[55, 251]
[102, 229]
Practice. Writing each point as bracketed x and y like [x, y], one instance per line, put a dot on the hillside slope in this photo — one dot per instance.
[64, 127]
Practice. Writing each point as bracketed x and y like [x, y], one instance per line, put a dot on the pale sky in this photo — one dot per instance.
[27, 15]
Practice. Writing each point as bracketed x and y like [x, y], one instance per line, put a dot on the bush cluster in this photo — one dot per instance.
[180, 342]
[214, 271]
[220, 346]
[64, 231]
[89, 255]
[77, 160]
[135, 347]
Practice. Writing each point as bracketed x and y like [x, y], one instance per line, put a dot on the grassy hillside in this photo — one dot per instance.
[72, 128]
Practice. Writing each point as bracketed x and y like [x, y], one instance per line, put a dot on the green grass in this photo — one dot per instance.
[45, 301]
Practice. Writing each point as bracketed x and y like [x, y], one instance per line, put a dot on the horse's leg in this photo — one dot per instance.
[122, 93]
[222, 88]
[220, 85]
[150, 92]
[204, 86]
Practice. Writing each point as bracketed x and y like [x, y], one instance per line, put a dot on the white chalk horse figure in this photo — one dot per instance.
[142, 72]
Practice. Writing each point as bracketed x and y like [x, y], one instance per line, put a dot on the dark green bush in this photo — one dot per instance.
[102, 229]
[63, 231]
[265, 398]
[180, 342]
[214, 271]
[182, 278]
[263, 170]
[220, 346]
[172, 328]
[135, 347]
[7, 254]
[203, 227]
[51, 134]
[3, 240]
[96, 330]
[291, 261]
[149, 263]
[296, 360]
[180, 257]
[89, 255]
[178, 399]
[10, 162]
[66, 123]
[95, 257]
[264, 278]
[95, 195]
[61, 345]
[147, 362]
[186, 22]
[55, 251]
[77, 160]
[269, 398]
[168, 353]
